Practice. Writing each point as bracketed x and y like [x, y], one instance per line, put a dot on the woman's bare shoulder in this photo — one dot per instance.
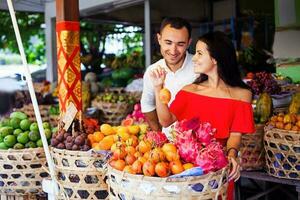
[242, 94]
[190, 87]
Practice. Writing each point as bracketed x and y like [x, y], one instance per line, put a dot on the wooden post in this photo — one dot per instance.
[68, 54]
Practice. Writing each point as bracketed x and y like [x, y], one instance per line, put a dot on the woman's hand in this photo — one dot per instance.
[234, 169]
[158, 76]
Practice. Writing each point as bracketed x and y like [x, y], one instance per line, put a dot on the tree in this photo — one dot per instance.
[30, 26]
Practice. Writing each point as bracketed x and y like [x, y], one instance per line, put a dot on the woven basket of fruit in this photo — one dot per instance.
[282, 152]
[44, 111]
[150, 167]
[128, 186]
[114, 106]
[22, 171]
[80, 174]
[252, 150]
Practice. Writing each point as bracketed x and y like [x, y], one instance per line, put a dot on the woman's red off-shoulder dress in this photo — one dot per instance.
[226, 115]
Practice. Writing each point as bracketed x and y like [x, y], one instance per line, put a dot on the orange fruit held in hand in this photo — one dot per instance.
[164, 95]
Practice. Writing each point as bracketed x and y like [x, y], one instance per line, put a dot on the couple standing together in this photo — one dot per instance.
[206, 85]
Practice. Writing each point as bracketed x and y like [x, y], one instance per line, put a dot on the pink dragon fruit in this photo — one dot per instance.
[187, 146]
[211, 158]
[205, 133]
[157, 138]
[196, 144]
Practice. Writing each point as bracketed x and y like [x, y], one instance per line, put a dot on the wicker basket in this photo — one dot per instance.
[127, 186]
[282, 153]
[44, 111]
[113, 113]
[80, 175]
[252, 150]
[21, 171]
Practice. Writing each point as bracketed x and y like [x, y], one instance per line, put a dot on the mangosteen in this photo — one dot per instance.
[66, 135]
[69, 139]
[85, 147]
[61, 146]
[54, 142]
[69, 146]
[79, 140]
[75, 147]
[60, 137]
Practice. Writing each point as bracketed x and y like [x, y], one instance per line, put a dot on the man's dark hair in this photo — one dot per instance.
[177, 23]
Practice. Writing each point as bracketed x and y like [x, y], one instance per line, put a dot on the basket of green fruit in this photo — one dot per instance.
[22, 158]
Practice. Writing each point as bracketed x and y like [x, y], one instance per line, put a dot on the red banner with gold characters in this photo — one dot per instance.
[68, 57]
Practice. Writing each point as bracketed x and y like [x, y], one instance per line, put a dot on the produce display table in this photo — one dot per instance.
[254, 176]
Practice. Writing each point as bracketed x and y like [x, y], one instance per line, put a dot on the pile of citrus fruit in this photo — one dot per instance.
[18, 132]
[109, 135]
[147, 159]
[133, 153]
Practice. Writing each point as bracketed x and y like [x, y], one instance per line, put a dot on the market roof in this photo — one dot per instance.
[26, 5]
[127, 11]
[132, 11]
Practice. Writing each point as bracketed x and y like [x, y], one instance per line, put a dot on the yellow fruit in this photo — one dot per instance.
[106, 142]
[122, 129]
[106, 129]
[143, 128]
[123, 135]
[169, 147]
[187, 166]
[98, 136]
[287, 119]
[134, 129]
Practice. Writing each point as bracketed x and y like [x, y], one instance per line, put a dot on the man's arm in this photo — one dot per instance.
[152, 119]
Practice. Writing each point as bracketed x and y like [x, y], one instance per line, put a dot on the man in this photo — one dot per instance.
[174, 38]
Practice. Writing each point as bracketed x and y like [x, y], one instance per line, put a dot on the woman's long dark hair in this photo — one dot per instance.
[222, 50]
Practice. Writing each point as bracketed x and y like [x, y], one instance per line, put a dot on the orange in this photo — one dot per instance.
[164, 95]
[119, 164]
[169, 147]
[172, 156]
[96, 146]
[142, 159]
[162, 169]
[98, 136]
[128, 169]
[144, 146]
[106, 142]
[91, 138]
[130, 150]
[176, 167]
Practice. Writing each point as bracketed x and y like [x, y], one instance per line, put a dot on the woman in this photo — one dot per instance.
[218, 96]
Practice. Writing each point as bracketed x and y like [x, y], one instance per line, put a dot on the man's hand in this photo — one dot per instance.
[158, 76]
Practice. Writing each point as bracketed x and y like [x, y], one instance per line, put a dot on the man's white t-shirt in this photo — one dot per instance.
[174, 82]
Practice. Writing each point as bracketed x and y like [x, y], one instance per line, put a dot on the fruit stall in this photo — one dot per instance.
[63, 151]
